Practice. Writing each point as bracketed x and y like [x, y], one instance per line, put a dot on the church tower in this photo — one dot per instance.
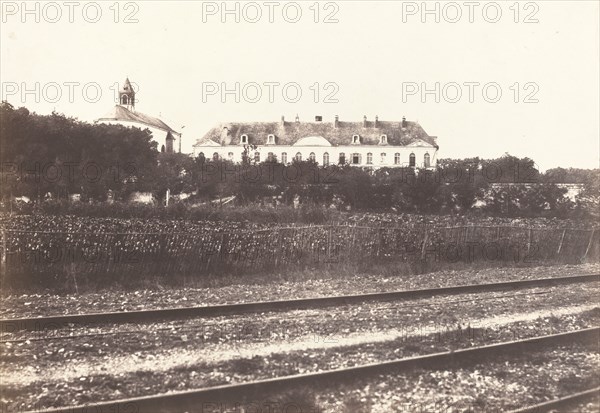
[127, 96]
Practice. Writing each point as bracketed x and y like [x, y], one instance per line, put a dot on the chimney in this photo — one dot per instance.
[365, 121]
[336, 122]
[404, 123]
[297, 118]
[376, 121]
[318, 118]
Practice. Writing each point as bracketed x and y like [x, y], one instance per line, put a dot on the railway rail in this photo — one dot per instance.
[258, 390]
[58, 321]
[562, 403]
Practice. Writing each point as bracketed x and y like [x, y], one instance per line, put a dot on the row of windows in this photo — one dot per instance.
[356, 139]
[271, 139]
[355, 158]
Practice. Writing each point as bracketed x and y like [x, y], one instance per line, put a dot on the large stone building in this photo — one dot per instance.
[374, 144]
[125, 114]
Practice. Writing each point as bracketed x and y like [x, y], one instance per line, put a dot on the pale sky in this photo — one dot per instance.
[371, 59]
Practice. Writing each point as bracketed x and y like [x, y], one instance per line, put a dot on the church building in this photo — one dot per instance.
[372, 144]
[125, 114]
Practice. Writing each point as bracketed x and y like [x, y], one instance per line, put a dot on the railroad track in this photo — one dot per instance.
[55, 322]
[258, 390]
[564, 402]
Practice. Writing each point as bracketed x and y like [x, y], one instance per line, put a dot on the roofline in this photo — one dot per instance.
[143, 123]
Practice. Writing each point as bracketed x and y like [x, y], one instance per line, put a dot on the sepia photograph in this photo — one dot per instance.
[353, 206]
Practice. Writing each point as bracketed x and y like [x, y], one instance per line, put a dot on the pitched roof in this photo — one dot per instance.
[121, 113]
[288, 133]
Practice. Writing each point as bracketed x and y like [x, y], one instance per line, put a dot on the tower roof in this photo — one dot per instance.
[126, 88]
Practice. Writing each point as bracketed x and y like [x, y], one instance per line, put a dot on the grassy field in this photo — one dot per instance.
[79, 254]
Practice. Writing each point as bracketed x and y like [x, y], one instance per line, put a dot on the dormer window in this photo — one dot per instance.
[383, 140]
[271, 139]
[355, 139]
[244, 139]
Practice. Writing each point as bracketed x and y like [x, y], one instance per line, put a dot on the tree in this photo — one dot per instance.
[56, 155]
[174, 173]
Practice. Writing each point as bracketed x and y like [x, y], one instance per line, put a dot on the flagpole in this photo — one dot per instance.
[180, 136]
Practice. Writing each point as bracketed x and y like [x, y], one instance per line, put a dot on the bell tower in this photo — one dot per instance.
[127, 96]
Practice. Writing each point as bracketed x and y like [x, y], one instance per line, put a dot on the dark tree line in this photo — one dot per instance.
[55, 156]
[58, 156]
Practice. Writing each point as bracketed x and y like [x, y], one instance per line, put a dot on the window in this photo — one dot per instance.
[383, 158]
[298, 156]
[312, 157]
[355, 159]
[427, 161]
[412, 160]
[271, 140]
[284, 158]
[244, 139]
[124, 100]
[325, 159]
[396, 158]
[355, 139]
[369, 158]
[215, 156]
[383, 140]
[230, 156]
[257, 157]
[342, 158]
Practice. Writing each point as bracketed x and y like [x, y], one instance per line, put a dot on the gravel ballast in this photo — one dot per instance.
[107, 367]
[275, 287]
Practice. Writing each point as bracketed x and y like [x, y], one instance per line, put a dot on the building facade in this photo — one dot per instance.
[125, 114]
[373, 144]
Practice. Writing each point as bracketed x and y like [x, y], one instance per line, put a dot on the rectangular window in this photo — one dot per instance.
[355, 159]
[284, 158]
[369, 159]
[383, 158]
[342, 158]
